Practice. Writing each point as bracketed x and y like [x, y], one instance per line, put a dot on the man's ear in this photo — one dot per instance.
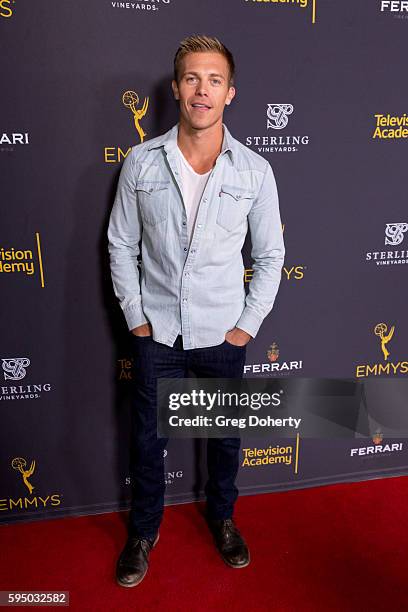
[175, 89]
[230, 95]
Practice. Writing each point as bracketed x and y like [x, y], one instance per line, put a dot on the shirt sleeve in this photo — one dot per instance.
[124, 234]
[267, 252]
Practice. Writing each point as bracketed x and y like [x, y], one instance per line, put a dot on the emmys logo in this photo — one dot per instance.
[6, 8]
[394, 233]
[131, 100]
[15, 368]
[33, 501]
[289, 273]
[380, 331]
[278, 115]
[20, 464]
[273, 352]
[386, 369]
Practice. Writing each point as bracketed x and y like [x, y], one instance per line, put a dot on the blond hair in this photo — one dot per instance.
[200, 43]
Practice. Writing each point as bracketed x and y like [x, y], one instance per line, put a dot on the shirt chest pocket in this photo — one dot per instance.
[153, 199]
[235, 203]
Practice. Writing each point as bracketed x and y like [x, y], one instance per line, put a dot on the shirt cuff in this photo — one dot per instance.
[134, 316]
[249, 322]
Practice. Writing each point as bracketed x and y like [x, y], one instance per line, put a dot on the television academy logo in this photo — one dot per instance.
[273, 367]
[277, 118]
[272, 455]
[377, 449]
[385, 335]
[394, 236]
[146, 5]
[125, 367]
[130, 100]
[29, 501]
[15, 368]
[390, 127]
[10, 140]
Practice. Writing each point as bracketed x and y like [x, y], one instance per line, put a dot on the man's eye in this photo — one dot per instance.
[216, 81]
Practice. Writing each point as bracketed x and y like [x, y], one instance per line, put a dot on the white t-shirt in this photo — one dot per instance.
[192, 187]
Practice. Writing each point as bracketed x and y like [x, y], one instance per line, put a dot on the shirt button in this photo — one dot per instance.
[205, 199]
[199, 225]
[184, 299]
[193, 250]
[185, 248]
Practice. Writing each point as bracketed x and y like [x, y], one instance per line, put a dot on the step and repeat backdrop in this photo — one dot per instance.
[321, 94]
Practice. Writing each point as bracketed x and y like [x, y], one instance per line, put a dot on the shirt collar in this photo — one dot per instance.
[169, 141]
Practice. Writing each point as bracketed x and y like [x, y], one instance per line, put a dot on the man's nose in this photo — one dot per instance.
[201, 88]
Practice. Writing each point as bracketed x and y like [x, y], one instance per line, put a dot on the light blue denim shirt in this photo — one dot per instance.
[195, 289]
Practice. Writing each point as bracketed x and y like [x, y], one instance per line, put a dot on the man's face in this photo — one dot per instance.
[203, 89]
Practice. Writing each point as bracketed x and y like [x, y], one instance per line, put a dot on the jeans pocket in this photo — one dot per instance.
[234, 345]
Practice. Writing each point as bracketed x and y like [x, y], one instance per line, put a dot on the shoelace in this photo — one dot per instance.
[229, 529]
[144, 544]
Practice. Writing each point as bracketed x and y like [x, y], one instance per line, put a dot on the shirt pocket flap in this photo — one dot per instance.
[150, 187]
[238, 193]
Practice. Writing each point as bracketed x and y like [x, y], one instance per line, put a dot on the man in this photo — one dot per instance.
[189, 196]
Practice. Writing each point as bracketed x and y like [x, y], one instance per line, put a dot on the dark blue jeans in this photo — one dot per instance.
[153, 360]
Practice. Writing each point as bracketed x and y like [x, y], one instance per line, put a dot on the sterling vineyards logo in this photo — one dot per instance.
[146, 5]
[394, 236]
[15, 369]
[278, 115]
[277, 119]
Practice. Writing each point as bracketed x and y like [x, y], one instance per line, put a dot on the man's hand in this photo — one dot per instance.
[237, 336]
[142, 330]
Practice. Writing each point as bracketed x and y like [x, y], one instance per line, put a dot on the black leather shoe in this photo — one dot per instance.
[133, 562]
[229, 542]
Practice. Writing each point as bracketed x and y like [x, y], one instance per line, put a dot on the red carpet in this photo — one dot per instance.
[341, 547]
